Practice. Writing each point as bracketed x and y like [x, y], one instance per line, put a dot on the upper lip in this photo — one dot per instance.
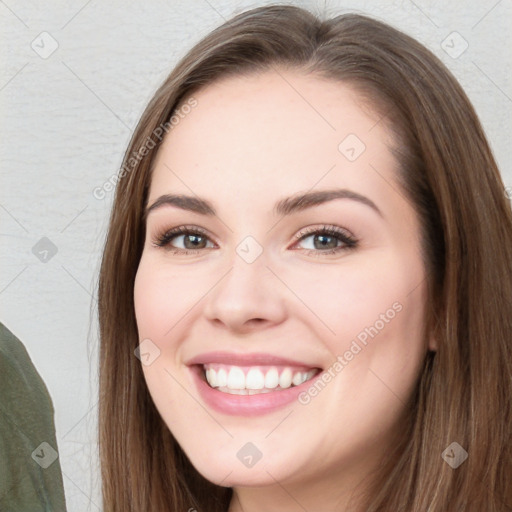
[254, 359]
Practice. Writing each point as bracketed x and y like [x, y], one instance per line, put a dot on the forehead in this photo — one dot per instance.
[273, 134]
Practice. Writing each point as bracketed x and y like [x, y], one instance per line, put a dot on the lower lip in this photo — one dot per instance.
[246, 405]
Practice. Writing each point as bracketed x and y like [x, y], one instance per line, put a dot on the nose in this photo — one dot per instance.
[248, 297]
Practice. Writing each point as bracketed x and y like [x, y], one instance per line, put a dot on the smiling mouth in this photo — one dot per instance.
[254, 380]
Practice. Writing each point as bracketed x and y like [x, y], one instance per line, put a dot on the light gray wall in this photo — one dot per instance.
[66, 119]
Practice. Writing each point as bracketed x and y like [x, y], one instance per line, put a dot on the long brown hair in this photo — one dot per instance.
[448, 173]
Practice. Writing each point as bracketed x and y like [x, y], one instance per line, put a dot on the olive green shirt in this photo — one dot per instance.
[30, 473]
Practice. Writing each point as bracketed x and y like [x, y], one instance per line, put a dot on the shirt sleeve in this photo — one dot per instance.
[30, 472]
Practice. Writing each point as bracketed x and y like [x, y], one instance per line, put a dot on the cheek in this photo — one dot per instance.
[343, 301]
[162, 298]
[158, 308]
[370, 317]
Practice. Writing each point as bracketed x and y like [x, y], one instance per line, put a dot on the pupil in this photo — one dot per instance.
[194, 244]
[323, 244]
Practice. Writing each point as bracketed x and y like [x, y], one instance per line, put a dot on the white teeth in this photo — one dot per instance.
[222, 378]
[235, 381]
[272, 379]
[211, 377]
[285, 379]
[236, 378]
[255, 379]
[297, 379]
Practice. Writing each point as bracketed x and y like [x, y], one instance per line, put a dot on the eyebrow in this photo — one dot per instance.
[283, 207]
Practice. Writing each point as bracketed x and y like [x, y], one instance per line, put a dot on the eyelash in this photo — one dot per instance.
[164, 239]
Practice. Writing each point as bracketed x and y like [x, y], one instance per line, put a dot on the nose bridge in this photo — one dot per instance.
[248, 290]
[248, 261]
[245, 281]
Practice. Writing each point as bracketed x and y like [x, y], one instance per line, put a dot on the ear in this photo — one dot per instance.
[433, 346]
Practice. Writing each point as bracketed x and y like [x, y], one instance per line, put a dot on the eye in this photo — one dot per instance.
[193, 239]
[327, 240]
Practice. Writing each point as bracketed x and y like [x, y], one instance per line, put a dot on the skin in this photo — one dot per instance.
[248, 143]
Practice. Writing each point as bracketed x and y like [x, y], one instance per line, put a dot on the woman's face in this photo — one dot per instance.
[252, 293]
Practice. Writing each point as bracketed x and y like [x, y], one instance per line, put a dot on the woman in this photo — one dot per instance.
[370, 371]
